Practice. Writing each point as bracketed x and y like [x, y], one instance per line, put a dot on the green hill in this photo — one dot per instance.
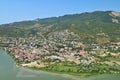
[98, 26]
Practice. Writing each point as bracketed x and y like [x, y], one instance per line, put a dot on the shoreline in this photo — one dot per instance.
[38, 72]
[80, 75]
[65, 75]
[50, 73]
[77, 74]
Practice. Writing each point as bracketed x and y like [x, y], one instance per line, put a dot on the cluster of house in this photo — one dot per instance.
[63, 46]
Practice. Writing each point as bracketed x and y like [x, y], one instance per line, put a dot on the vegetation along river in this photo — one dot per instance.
[9, 71]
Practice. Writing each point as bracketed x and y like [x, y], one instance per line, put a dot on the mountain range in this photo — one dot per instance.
[97, 26]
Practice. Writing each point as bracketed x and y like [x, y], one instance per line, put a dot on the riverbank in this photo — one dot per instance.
[50, 73]
[61, 69]
[24, 73]
[15, 72]
[80, 75]
[72, 68]
[42, 68]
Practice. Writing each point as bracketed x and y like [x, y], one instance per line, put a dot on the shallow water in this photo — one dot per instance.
[9, 71]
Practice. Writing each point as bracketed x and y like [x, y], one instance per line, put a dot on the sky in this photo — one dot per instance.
[19, 10]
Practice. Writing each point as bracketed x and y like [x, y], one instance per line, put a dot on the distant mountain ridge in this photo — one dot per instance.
[97, 26]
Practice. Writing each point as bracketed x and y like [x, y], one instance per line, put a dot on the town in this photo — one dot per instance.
[41, 51]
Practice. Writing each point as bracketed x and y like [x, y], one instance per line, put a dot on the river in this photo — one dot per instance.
[9, 71]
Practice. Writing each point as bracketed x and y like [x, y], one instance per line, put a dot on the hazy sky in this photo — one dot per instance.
[18, 10]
